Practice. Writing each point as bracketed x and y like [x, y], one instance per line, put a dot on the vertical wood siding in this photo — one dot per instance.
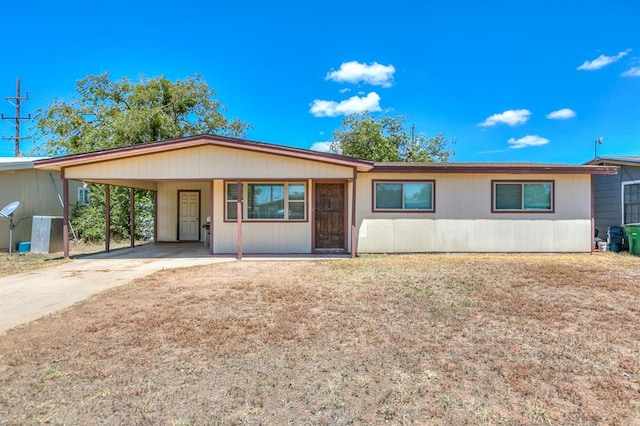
[37, 196]
[257, 237]
[207, 162]
[168, 207]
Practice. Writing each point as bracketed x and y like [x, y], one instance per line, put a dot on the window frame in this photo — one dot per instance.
[623, 203]
[81, 198]
[374, 182]
[244, 197]
[523, 182]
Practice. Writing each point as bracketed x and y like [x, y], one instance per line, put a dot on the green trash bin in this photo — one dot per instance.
[633, 235]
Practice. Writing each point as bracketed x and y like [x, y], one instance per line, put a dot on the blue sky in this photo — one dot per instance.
[509, 80]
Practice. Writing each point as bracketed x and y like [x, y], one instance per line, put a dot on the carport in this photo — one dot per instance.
[256, 198]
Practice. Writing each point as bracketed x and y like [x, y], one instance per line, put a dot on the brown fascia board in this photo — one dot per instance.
[511, 168]
[197, 140]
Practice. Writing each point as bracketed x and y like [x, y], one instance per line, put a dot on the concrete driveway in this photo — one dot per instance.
[32, 295]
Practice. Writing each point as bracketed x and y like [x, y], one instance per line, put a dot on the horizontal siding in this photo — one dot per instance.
[613, 186]
[607, 195]
[629, 173]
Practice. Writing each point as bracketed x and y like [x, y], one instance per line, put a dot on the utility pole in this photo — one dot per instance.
[18, 98]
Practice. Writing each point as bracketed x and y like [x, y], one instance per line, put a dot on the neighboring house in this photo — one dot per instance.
[264, 198]
[36, 190]
[616, 197]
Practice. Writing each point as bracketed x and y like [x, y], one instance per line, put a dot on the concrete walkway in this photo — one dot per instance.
[32, 295]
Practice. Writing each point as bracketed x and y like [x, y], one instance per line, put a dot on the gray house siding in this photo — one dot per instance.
[607, 192]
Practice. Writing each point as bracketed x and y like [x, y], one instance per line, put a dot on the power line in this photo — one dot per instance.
[18, 118]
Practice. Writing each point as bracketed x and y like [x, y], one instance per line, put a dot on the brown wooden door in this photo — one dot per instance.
[329, 219]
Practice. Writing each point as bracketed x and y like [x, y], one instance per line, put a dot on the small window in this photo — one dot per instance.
[631, 201]
[232, 201]
[268, 201]
[83, 196]
[523, 196]
[414, 196]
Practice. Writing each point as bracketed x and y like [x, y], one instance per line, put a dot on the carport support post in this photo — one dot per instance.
[210, 218]
[65, 214]
[353, 214]
[107, 216]
[155, 216]
[132, 216]
[239, 216]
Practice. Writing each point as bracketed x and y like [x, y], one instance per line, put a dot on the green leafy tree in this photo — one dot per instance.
[89, 221]
[112, 114]
[108, 113]
[385, 139]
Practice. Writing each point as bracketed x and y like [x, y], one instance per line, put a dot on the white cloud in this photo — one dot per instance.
[321, 146]
[354, 72]
[529, 140]
[602, 61]
[345, 90]
[355, 104]
[512, 117]
[632, 72]
[561, 114]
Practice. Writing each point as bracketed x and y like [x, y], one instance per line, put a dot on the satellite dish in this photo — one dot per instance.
[8, 210]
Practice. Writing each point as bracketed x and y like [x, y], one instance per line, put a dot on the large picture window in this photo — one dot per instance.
[414, 196]
[268, 201]
[522, 196]
[631, 202]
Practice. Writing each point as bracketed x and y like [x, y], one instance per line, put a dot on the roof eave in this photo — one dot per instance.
[605, 162]
[174, 144]
[456, 168]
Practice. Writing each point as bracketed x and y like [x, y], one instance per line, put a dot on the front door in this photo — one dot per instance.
[329, 218]
[189, 215]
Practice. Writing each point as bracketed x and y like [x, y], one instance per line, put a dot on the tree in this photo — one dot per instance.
[385, 139]
[112, 114]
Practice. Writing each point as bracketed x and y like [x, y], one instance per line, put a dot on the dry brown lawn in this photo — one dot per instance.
[411, 339]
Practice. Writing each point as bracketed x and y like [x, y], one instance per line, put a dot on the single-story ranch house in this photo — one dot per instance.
[264, 198]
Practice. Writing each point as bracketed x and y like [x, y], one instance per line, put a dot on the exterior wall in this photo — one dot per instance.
[257, 237]
[38, 197]
[195, 167]
[207, 162]
[168, 206]
[607, 193]
[260, 237]
[463, 221]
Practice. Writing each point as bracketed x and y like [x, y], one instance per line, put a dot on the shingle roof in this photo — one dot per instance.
[621, 160]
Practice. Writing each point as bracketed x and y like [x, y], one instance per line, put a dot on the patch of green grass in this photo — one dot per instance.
[51, 373]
